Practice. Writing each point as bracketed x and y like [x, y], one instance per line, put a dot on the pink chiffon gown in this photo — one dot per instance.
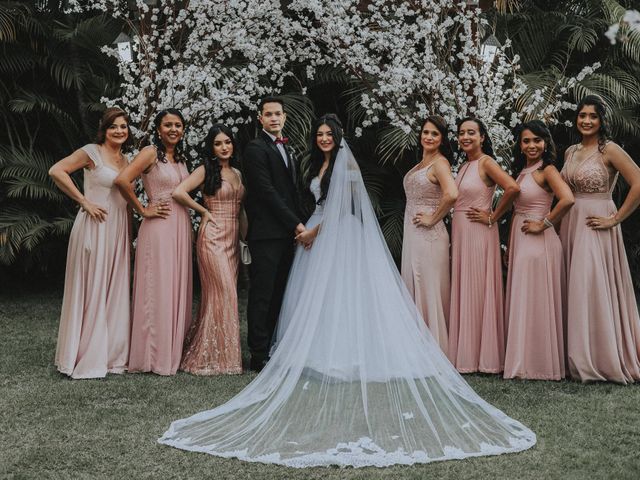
[476, 322]
[425, 255]
[533, 308]
[93, 337]
[162, 278]
[213, 342]
[601, 313]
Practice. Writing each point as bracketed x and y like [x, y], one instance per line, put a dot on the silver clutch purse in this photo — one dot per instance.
[245, 254]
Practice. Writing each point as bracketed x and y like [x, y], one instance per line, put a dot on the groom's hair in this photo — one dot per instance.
[270, 100]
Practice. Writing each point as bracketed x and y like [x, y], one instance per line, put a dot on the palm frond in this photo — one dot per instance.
[394, 142]
[17, 60]
[300, 116]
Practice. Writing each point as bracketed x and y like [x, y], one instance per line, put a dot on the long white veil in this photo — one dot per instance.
[356, 378]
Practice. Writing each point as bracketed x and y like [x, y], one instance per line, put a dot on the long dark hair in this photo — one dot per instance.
[179, 154]
[441, 125]
[317, 157]
[487, 145]
[212, 167]
[601, 109]
[108, 117]
[538, 128]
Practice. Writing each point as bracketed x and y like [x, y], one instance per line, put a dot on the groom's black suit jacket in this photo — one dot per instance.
[272, 202]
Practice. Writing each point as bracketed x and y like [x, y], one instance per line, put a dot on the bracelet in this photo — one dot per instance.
[547, 223]
[490, 223]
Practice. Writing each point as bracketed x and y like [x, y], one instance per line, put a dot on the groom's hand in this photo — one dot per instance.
[299, 229]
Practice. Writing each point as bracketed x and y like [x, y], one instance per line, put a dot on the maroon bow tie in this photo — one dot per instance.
[281, 140]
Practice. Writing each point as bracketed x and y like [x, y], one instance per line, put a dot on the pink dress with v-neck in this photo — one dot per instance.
[213, 342]
[425, 255]
[601, 313]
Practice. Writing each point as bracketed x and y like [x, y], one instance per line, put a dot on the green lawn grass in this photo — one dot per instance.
[53, 427]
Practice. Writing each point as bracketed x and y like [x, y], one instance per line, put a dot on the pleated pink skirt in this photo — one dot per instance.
[476, 322]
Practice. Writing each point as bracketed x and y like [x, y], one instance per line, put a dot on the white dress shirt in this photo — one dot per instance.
[280, 148]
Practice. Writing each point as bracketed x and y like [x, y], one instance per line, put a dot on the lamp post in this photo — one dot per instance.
[489, 48]
[123, 44]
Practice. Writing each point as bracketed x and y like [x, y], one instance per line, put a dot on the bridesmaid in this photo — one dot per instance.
[431, 193]
[533, 311]
[162, 272]
[476, 323]
[213, 341]
[93, 338]
[601, 313]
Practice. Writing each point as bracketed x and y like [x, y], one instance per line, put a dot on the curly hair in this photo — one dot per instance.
[180, 154]
[538, 128]
[601, 110]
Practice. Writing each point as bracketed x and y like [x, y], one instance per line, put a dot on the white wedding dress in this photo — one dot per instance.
[355, 378]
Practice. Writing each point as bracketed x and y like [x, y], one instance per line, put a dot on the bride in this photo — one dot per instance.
[355, 377]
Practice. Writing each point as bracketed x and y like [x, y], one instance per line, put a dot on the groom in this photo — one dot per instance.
[273, 212]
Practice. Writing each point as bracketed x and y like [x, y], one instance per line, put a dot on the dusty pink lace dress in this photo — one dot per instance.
[600, 309]
[425, 255]
[213, 342]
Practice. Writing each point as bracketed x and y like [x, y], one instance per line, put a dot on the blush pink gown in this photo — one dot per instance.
[476, 322]
[93, 337]
[425, 255]
[213, 342]
[601, 313]
[162, 278]
[533, 309]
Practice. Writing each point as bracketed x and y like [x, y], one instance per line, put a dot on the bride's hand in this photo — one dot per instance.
[306, 238]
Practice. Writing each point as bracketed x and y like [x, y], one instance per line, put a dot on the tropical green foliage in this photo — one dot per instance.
[554, 41]
[52, 78]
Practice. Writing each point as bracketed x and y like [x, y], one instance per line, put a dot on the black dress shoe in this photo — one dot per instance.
[257, 364]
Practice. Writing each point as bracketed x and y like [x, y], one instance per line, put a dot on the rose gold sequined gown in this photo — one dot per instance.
[425, 255]
[213, 342]
[162, 278]
[601, 313]
[476, 321]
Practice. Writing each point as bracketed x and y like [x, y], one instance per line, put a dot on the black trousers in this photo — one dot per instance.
[268, 272]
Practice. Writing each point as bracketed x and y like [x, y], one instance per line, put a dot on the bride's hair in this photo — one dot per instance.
[317, 157]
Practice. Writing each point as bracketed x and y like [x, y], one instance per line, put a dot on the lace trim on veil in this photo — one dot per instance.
[356, 378]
